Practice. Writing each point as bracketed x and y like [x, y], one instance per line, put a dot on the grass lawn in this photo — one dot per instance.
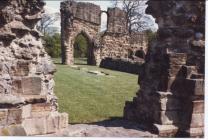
[89, 98]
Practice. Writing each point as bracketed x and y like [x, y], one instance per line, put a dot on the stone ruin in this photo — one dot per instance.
[171, 95]
[85, 18]
[28, 105]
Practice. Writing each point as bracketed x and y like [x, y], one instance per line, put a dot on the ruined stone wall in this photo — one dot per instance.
[28, 105]
[171, 94]
[123, 65]
[119, 45]
[116, 22]
[79, 18]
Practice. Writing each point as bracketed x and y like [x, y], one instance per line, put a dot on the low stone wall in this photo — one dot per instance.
[123, 65]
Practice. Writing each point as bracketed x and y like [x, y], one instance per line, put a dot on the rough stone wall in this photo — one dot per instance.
[28, 105]
[171, 95]
[79, 18]
[119, 45]
[116, 21]
[124, 65]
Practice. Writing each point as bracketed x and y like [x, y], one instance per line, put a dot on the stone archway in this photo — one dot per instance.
[75, 19]
[90, 48]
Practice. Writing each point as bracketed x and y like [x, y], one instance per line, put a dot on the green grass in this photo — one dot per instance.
[89, 98]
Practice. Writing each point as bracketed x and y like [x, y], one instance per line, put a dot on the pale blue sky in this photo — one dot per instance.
[56, 3]
[54, 6]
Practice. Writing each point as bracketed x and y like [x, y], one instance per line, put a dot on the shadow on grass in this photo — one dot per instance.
[120, 122]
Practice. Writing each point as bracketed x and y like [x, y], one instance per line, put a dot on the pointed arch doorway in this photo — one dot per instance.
[83, 49]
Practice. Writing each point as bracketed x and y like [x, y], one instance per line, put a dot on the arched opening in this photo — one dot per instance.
[83, 50]
[104, 21]
[140, 53]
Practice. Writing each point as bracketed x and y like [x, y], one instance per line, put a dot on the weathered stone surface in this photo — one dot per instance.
[26, 111]
[13, 130]
[116, 20]
[124, 65]
[21, 68]
[31, 86]
[26, 71]
[63, 122]
[41, 109]
[3, 116]
[56, 121]
[14, 116]
[165, 130]
[35, 126]
[174, 64]
[195, 132]
[11, 99]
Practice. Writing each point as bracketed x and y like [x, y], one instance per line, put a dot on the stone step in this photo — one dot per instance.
[165, 130]
[194, 132]
[33, 126]
[45, 125]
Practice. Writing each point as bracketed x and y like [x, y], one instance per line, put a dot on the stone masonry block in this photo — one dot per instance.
[165, 130]
[52, 123]
[177, 58]
[26, 111]
[195, 87]
[41, 109]
[63, 120]
[3, 116]
[31, 85]
[27, 86]
[13, 130]
[21, 68]
[35, 126]
[197, 120]
[14, 116]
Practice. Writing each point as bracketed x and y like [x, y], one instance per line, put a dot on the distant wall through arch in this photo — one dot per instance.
[115, 42]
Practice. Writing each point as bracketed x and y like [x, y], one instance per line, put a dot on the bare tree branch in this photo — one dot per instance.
[134, 20]
[46, 21]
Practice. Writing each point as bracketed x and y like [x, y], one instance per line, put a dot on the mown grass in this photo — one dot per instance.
[89, 98]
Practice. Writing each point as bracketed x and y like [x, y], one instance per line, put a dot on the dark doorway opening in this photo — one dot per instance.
[83, 50]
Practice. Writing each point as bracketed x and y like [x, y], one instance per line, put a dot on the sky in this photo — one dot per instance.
[54, 7]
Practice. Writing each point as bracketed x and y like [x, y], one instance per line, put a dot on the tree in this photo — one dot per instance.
[53, 45]
[46, 21]
[80, 46]
[136, 18]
